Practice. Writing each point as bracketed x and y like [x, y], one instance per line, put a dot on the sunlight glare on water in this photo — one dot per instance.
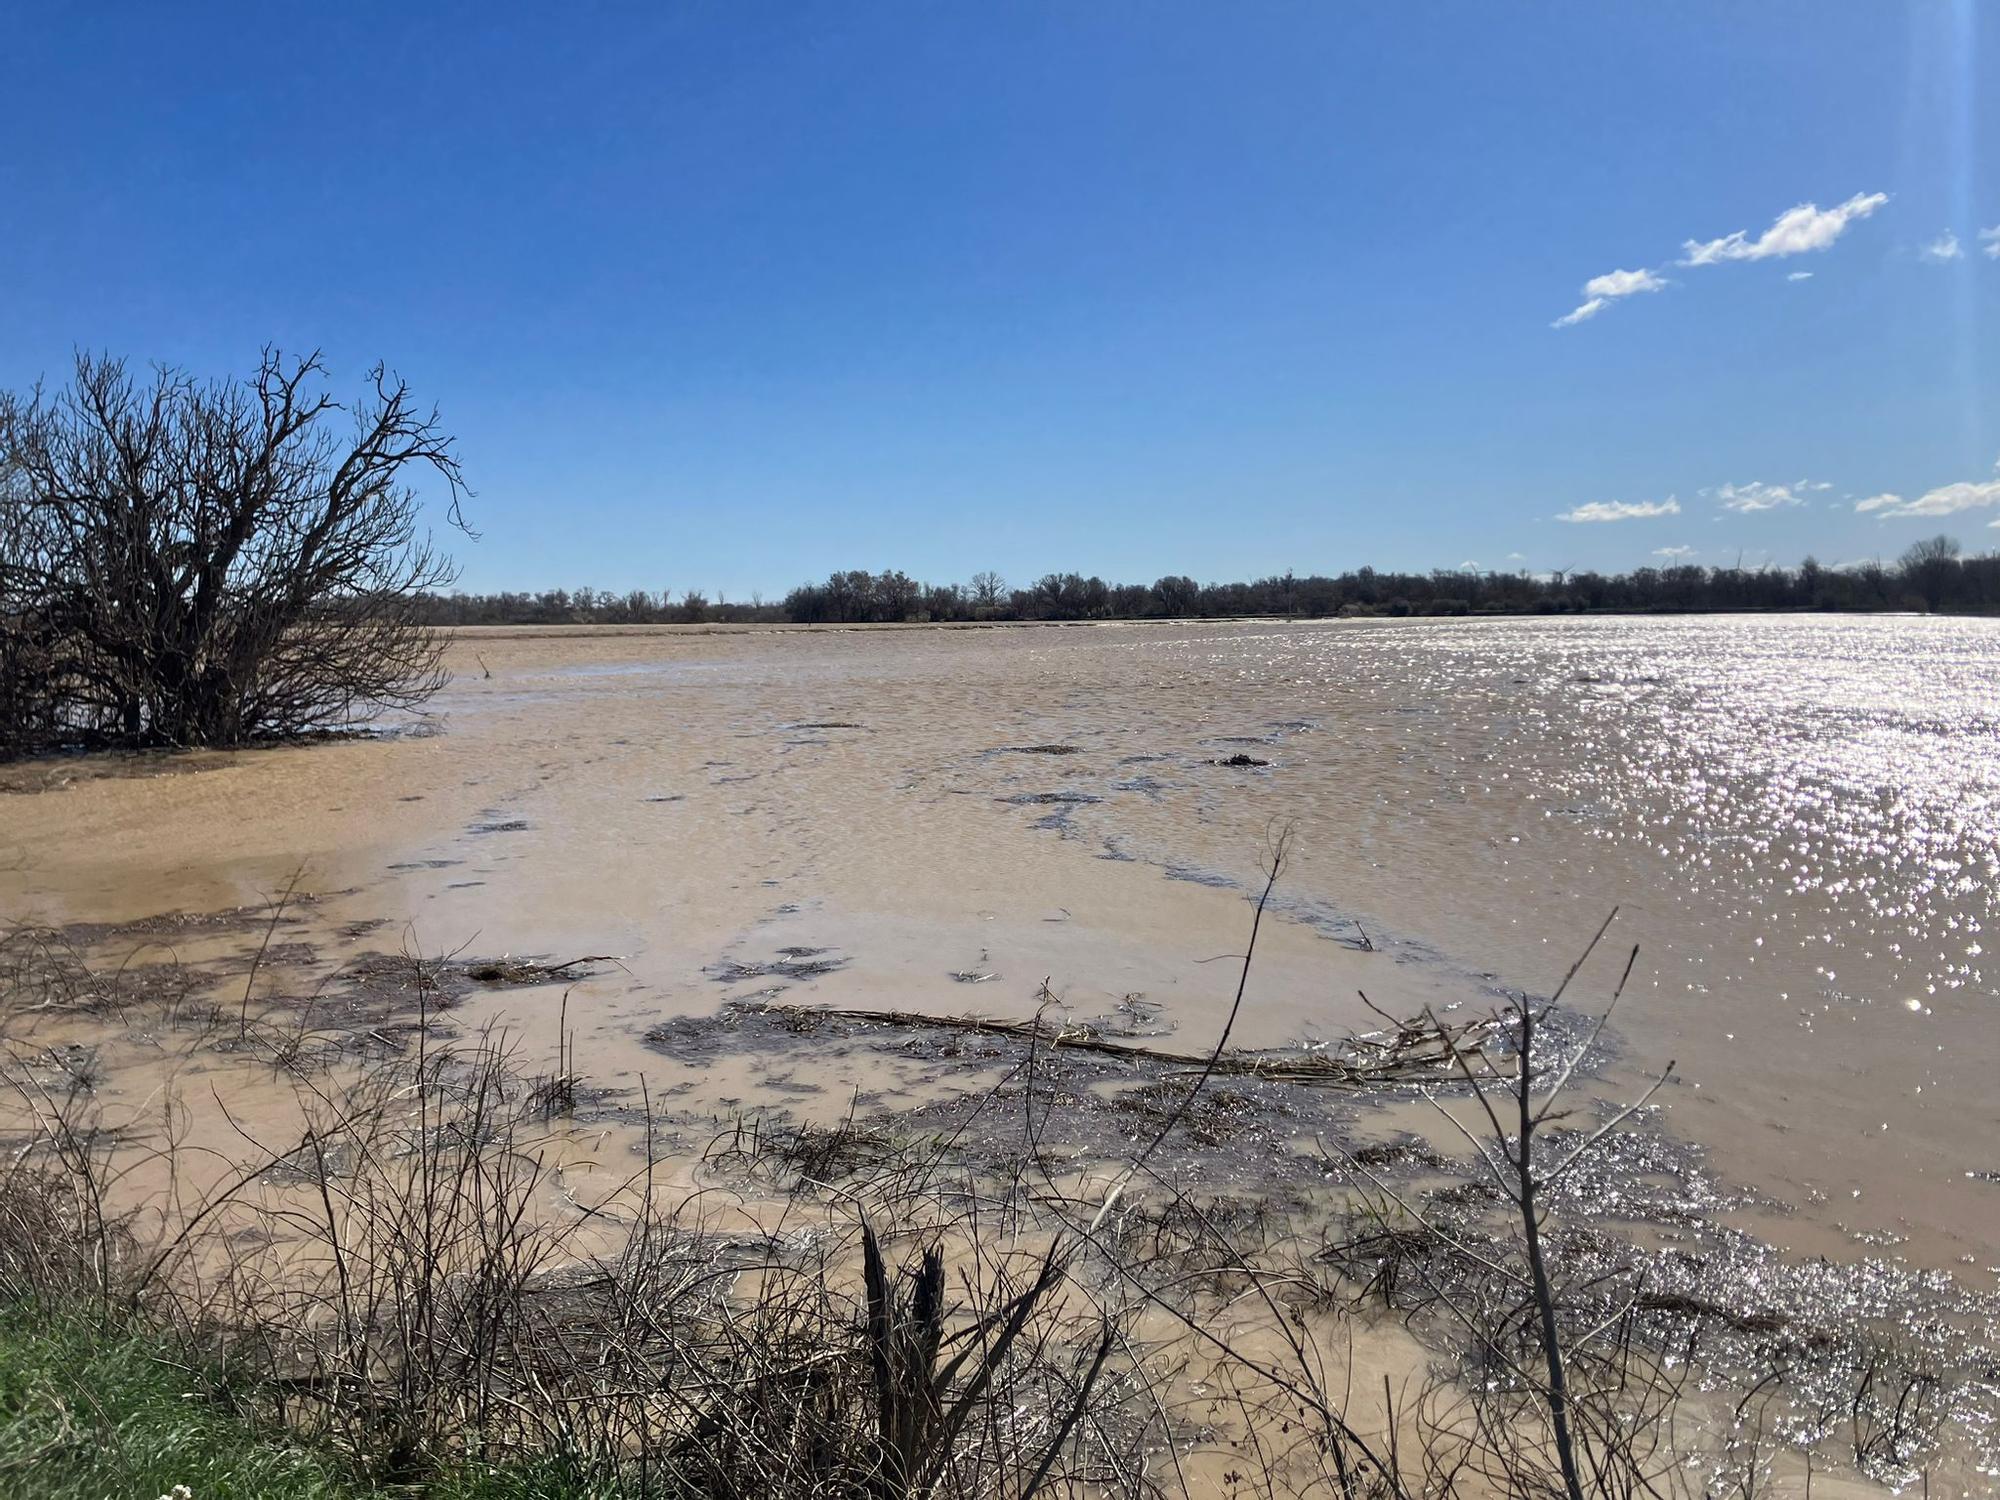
[1832, 779]
[1797, 816]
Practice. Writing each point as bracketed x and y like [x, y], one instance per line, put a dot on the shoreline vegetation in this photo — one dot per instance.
[1930, 577]
[1059, 1281]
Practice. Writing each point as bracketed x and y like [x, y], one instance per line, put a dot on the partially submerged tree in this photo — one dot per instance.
[188, 563]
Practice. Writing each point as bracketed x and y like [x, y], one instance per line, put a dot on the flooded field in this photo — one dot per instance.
[1796, 821]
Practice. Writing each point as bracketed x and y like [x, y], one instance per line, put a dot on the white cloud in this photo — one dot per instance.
[1800, 276]
[1946, 500]
[1622, 510]
[1517, 557]
[1793, 232]
[1943, 248]
[1989, 242]
[1601, 291]
[1674, 552]
[1747, 499]
[1588, 309]
[1622, 283]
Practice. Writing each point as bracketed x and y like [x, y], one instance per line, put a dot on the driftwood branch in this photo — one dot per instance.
[1407, 1055]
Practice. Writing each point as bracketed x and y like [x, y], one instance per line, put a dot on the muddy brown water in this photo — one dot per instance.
[1798, 820]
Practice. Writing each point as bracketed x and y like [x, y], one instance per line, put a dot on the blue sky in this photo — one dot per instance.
[723, 296]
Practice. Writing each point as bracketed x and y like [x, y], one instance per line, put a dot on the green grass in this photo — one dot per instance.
[88, 1414]
[93, 1414]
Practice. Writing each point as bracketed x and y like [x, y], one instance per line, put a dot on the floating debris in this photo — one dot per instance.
[1404, 1151]
[1411, 1053]
[791, 963]
[1193, 876]
[529, 971]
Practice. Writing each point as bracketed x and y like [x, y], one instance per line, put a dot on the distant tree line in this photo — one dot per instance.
[1932, 576]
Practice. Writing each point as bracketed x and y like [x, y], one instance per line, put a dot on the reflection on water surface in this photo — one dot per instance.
[1798, 817]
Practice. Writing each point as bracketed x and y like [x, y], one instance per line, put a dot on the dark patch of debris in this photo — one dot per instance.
[791, 963]
[1404, 1151]
[507, 970]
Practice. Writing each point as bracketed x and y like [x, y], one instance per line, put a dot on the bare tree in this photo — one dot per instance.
[988, 588]
[1929, 565]
[191, 563]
